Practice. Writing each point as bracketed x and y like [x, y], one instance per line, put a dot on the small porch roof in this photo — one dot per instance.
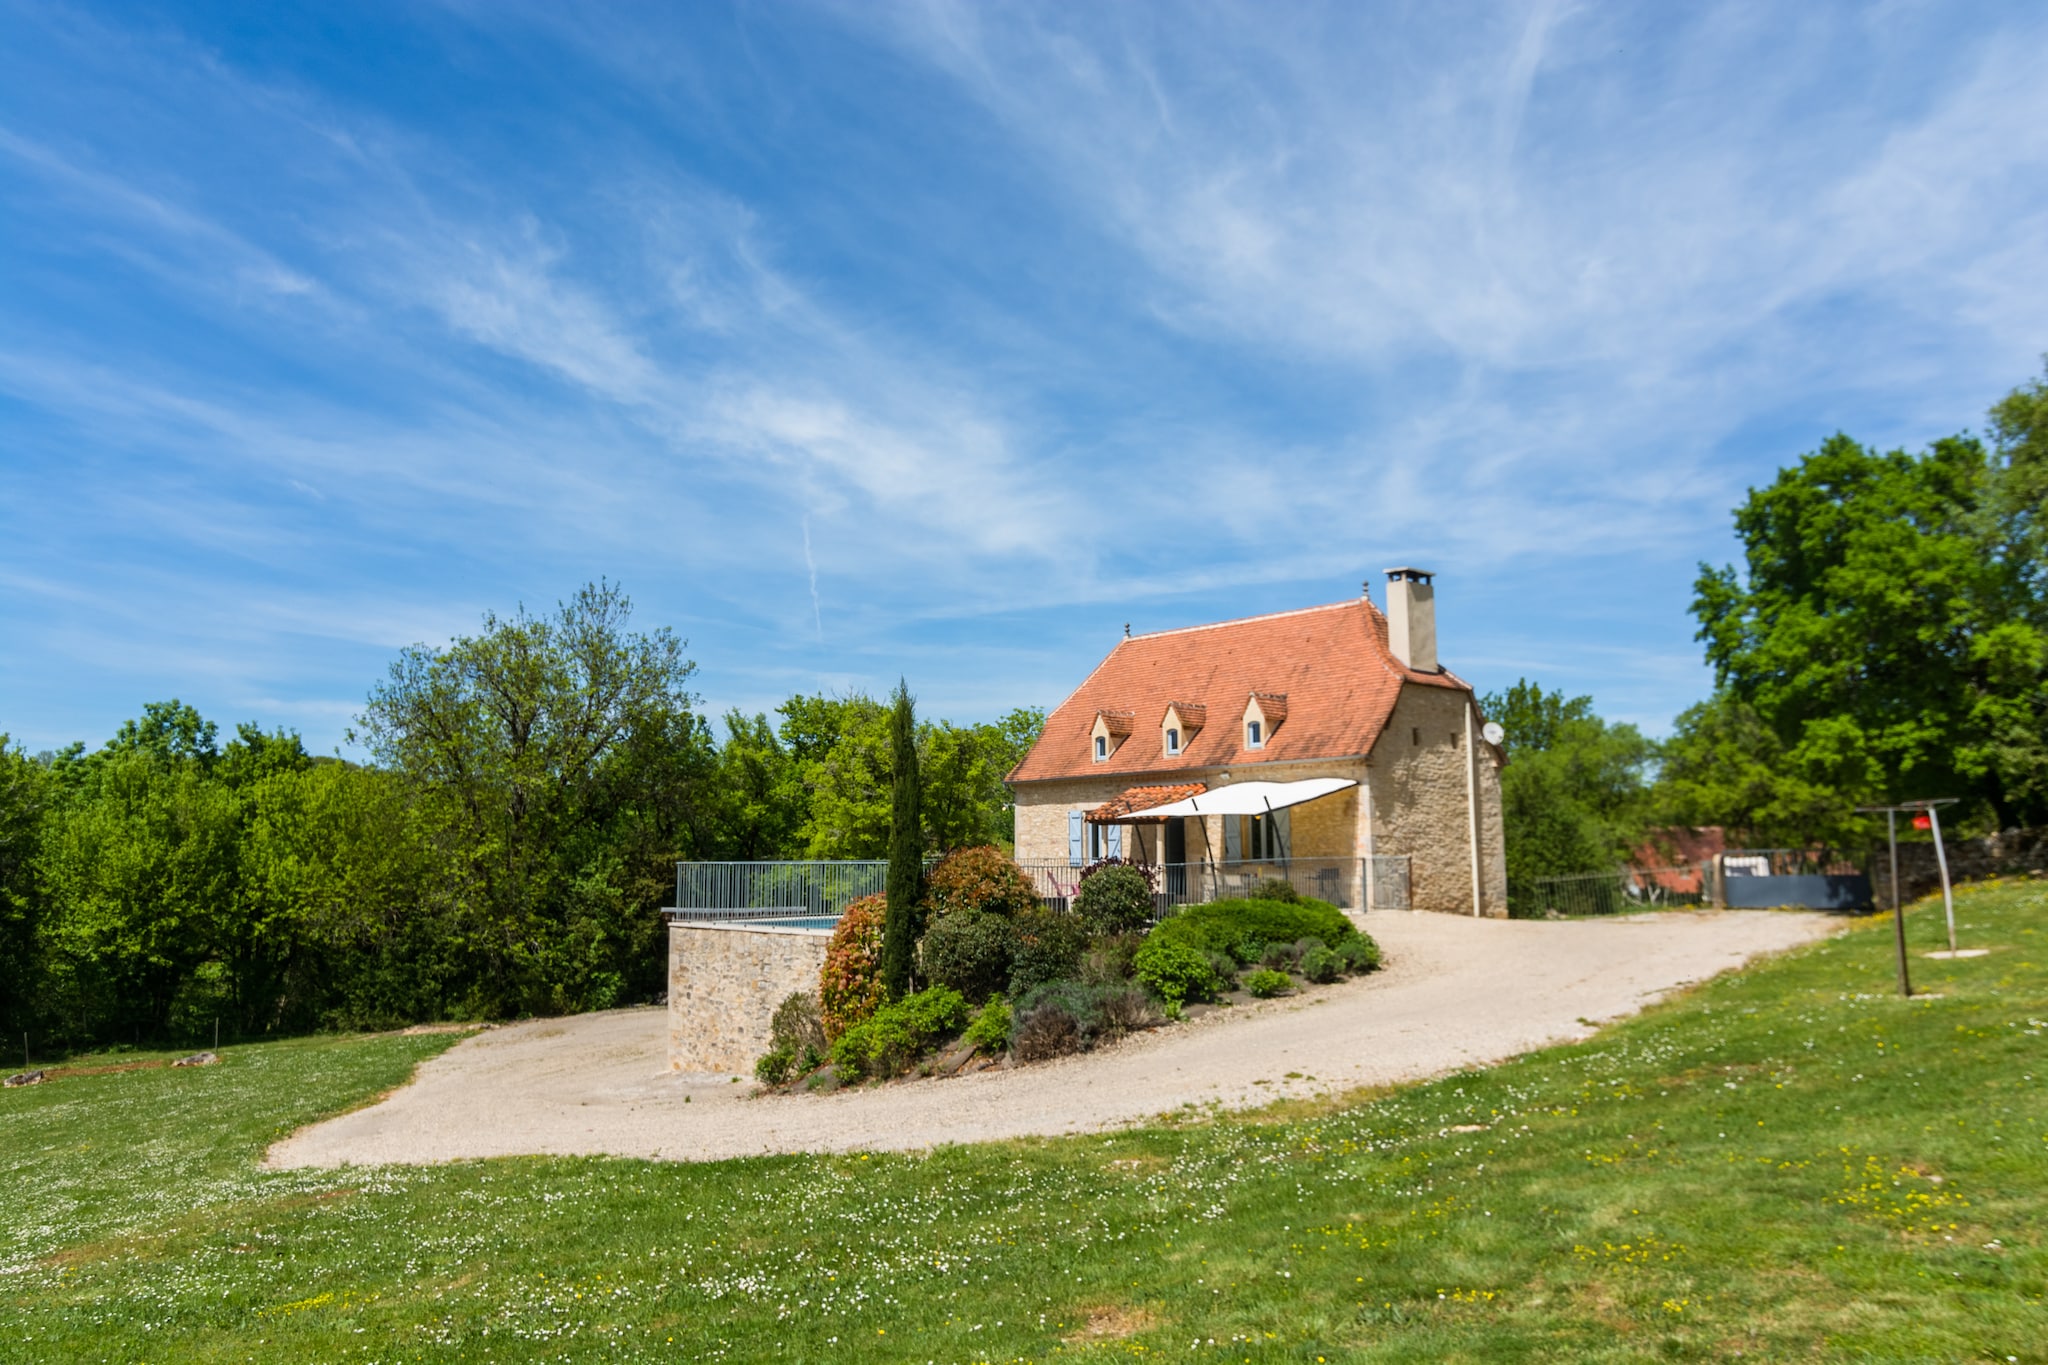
[1238, 798]
[1137, 805]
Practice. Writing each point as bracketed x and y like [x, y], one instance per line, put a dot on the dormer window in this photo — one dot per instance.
[1172, 740]
[1181, 726]
[1263, 714]
[1111, 729]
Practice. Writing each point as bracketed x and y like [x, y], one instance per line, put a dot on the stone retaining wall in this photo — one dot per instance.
[2016, 852]
[724, 982]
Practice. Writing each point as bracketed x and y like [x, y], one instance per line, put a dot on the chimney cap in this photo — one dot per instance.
[1417, 575]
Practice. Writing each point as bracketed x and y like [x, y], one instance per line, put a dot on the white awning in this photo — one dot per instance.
[1249, 798]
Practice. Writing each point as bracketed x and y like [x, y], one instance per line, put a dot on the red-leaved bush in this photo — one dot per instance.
[983, 879]
[850, 987]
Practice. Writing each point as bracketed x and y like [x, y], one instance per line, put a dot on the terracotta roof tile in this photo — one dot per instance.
[1330, 663]
[1136, 799]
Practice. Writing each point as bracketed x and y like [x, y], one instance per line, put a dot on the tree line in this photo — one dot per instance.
[1885, 638]
[530, 787]
[504, 851]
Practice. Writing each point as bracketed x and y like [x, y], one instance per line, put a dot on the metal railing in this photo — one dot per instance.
[768, 891]
[1618, 892]
[811, 890]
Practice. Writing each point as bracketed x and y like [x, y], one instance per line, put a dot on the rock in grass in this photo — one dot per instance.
[198, 1059]
[25, 1078]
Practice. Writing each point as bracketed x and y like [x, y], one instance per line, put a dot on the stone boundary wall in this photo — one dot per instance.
[724, 982]
[2016, 852]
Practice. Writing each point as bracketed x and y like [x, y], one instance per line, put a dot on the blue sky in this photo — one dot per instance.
[944, 339]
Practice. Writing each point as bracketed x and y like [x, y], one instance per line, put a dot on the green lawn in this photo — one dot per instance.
[1788, 1162]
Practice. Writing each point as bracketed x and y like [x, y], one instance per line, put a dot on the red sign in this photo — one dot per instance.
[1923, 822]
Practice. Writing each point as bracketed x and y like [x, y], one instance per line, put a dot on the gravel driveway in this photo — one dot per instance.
[1456, 992]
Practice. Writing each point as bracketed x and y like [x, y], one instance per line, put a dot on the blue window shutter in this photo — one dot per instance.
[1076, 835]
[1233, 839]
[1116, 841]
[1283, 833]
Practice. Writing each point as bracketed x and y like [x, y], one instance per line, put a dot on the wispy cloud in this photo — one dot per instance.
[990, 323]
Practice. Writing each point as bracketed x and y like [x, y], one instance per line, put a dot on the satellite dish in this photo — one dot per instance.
[1494, 734]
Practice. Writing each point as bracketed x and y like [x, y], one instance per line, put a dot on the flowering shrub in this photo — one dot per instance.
[983, 879]
[850, 987]
[1116, 900]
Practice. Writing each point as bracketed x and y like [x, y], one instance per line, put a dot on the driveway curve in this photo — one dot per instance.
[1456, 992]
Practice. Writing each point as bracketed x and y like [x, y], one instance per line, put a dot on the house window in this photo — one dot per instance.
[1101, 747]
[1254, 735]
[1173, 741]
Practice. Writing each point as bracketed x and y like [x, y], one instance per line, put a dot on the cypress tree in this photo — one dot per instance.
[906, 851]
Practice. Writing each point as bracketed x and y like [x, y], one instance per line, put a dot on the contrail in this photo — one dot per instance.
[817, 615]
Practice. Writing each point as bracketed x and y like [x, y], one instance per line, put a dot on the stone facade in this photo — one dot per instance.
[1419, 775]
[1417, 803]
[724, 982]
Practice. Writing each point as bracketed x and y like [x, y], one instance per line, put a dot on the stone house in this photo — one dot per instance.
[1302, 743]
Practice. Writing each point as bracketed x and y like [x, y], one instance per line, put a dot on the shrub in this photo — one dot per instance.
[1244, 928]
[1360, 953]
[982, 880]
[797, 1027]
[1321, 965]
[1046, 1032]
[1283, 956]
[775, 1066]
[1098, 1009]
[1048, 947]
[1276, 889]
[850, 987]
[1111, 961]
[1175, 971]
[1126, 1009]
[895, 1035]
[1224, 967]
[969, 950]
[1266, 983]
[1116, 900]
[990, 1030]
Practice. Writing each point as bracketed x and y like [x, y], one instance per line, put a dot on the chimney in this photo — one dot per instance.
[1411, 618]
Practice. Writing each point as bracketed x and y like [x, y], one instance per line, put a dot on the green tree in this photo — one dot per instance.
[900, 927]
[1885, 629]
[1574, 796]
[539, 738]
[23, 792]
[761, 802]
[140, 868]
[1724, 766]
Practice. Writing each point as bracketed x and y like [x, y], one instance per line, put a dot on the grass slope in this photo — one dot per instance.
[1788, 1162]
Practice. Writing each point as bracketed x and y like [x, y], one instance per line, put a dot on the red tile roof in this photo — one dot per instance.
[1135, 799]
[1330, 663]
